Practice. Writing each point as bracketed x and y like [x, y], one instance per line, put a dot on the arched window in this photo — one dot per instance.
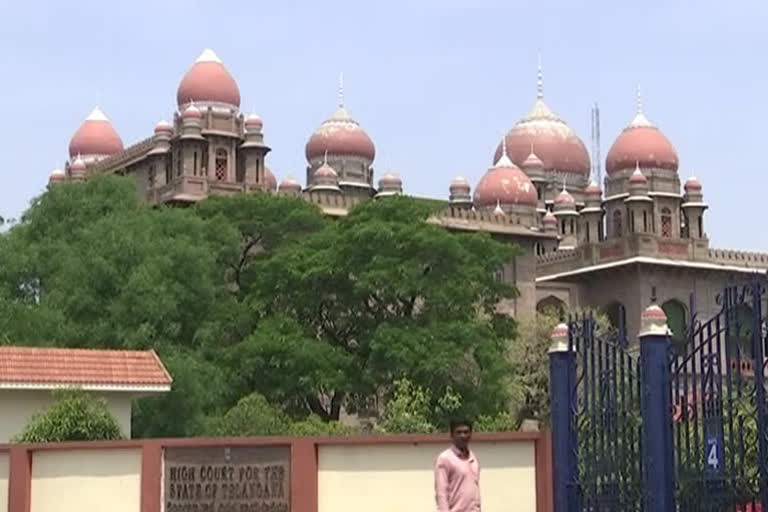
[551, 305]
[701, 227]
[221, 164]
[617, 223]
[676, 320]
[572, 226]
[645, 221]
[632, 221]
[666, 223]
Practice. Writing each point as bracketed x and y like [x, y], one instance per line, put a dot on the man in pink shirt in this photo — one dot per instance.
[457, 473]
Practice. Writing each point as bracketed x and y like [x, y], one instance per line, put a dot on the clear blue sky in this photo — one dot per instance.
[435, 84]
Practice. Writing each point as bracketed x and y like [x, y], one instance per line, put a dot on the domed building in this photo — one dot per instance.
[580, 244]
[348, 149]
[209, 147]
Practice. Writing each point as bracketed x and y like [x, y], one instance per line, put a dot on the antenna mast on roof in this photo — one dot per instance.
[597, 165]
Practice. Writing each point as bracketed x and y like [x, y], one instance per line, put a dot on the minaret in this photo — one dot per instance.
[591, 215]
[693, 209]
[188, 157]
[639, 204]
[460, 193]
[253, 152]
[567, 219]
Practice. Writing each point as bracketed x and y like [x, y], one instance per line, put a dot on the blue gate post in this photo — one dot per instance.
[656, 405]
[562, 371]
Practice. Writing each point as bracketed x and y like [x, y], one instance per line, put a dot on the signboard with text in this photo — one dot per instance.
[227, 479]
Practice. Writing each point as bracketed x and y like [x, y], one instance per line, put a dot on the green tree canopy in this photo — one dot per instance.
[380, 295]
[74, 416]
[263, 294]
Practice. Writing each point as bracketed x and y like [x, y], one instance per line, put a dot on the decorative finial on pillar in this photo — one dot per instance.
[539, 80]
[639, 100]
[341, 89]
[325, 157]
[564, 189]
[559, 337]
[504, 146]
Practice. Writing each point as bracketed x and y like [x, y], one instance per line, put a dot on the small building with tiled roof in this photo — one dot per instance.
[29, 375]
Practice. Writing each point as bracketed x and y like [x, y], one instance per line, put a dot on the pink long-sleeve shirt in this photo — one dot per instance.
[457, 482]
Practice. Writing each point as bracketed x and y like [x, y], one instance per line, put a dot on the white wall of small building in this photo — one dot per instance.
[18, 406]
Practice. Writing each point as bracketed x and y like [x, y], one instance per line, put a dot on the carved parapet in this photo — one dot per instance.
[557, 257]
[125, 157]
[472, 220]
[738, 258]
[333, 204]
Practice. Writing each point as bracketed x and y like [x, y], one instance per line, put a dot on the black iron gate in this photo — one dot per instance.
[719, 407]
[680, 428]
[605, 419]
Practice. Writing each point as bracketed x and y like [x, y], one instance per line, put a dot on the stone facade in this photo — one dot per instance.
[582, 247]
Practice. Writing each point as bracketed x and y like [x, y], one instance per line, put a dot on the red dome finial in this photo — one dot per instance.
[208, 81]
[692, 183]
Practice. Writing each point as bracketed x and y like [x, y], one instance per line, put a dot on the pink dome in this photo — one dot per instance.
[638, 177]
[78, 164]
[565, 198]
[390, 179]
[252, 121]
[459, 183]
[290, 184]
[326, 171]
[692, 183]
[505, 184]
[593, 189]
[95, 137]
[641, 143]
[533, 162]
[340, 136]
[163, 127]
[269, 179]
[57, 176]
[549, 218]
[557, 146]
[208, 81]
[192, 112]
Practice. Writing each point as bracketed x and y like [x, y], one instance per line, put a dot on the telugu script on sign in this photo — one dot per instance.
[218, 479]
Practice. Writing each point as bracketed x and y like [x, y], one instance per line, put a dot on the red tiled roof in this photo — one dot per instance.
[23, 367]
